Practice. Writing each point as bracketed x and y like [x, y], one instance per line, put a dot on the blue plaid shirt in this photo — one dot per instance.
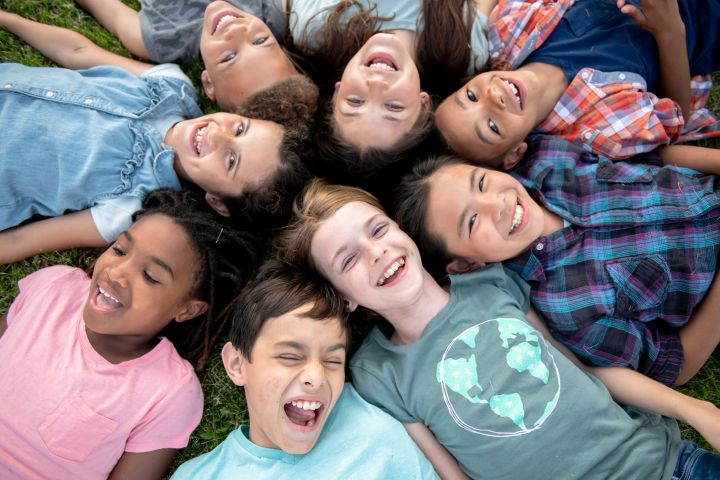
[637, 254]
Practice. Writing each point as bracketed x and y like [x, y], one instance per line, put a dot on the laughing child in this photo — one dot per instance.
[478, 385]
[618, 255]
[287, 349]
[97, 373]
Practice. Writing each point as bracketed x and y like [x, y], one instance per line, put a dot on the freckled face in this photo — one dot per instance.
[241, 55]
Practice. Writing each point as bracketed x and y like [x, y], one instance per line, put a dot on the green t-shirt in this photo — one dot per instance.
[503, 401]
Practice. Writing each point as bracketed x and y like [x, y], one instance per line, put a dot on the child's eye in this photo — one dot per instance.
[286, 358]
[380, 230]
[240, 130]
[492, 126]
[355, 101]
[149, 278]
[471, 223]
[118, 251]
[260, 41]
[348, 262]
[481, 182]
[470, 95]
[232, 160]
[228, 57]
[394, 107]
[334, 362]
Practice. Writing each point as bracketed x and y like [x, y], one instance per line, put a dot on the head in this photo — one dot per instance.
[170, 274]
[488, 119]
[464, 216]
[343, 234]
[241, 55]
[247, 168]
[378, 100]
[287, 349]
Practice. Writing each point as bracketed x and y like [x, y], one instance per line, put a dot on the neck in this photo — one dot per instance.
[119, 348]
[553, 222]
[410, 321]
[407, 40]
[554, 85]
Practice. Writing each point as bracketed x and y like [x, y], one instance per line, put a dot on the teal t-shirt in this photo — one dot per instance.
[359, 441]
[502, 400]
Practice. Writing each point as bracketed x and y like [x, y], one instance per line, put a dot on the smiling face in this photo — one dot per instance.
[292, 380]
[368, 259]
[492, 114]
[241, 55]
[223, 153]
[483, 215]
[143, 281]
[378, 99]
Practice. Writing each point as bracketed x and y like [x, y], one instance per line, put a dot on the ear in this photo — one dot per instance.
[460, 265]
[350, 306]
[337, 86]
[234, 363]
[208, 85]
[425, 100]
[191, 309]
[217, 204]
[514, 156]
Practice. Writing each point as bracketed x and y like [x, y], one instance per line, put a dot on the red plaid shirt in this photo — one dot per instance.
[608, 113]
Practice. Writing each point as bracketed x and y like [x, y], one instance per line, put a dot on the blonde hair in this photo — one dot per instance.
[315, 204]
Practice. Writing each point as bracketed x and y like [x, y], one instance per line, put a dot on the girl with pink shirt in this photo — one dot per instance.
[97, 373]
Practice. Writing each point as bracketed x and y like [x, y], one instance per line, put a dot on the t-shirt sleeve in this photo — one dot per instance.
[170, 70]
[114, 215]
[379, 393]
[171, 420]
[33, 285]
[518, 289]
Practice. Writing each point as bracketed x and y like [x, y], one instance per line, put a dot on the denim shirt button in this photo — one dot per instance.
[7, 85]
[50, 94]
[88, 101]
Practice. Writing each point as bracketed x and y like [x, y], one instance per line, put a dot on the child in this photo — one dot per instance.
[135, 138]
[91, 388]
[475, 384]
[606, 108]
[243, 54]
[287, 350]
[618, 255]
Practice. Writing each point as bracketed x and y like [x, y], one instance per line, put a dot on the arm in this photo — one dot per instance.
[662, 19]
[635, 389]
[485, 6]
[444, 464]
[58, 233]
[143, 466]
[702, 159]
[3, 324]
[66, 47]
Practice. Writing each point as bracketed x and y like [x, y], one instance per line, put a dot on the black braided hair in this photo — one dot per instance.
[228, 258]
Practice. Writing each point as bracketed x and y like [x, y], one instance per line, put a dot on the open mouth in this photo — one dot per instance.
[516, 91]
[221, 19]
[303, 412]
[381, 62]
[105, 300]
[517, 218]
[392, 272]
[197, 138]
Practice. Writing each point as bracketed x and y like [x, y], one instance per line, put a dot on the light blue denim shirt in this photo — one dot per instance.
[87, 139]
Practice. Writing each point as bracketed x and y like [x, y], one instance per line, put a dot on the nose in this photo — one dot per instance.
[492, 205]
[495, 96]
[376, 84]
[314, 374]
[217, 136]
[117, 274]
[374, 251]
[238, 27]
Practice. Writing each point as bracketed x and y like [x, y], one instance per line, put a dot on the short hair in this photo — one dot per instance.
[280, 288]
[410, 211]
[290, 103]
[227, 259]
[318, 201]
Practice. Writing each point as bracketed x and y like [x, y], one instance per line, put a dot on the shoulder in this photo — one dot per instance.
[58, 276]
[221, 462]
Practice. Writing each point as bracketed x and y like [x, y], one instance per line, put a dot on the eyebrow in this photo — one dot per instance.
[344, 247]
[153, 258]
[467, 208]
[303, 347]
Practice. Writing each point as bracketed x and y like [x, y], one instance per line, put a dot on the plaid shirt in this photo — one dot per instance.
[638, 253]
[609, 113]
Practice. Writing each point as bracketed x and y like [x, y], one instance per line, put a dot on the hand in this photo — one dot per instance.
[655, 16]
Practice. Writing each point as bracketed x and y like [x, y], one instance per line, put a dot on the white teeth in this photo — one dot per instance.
[198, 139]
[224, 19]
[108, 296]
[517, 218]
[306, 405]
[381, 66]
[514, 90]
[391, 271]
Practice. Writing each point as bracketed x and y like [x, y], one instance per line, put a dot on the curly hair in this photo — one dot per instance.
[227, 260]
[410, 209]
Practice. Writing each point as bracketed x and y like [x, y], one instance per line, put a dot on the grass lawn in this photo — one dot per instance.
[224, 404]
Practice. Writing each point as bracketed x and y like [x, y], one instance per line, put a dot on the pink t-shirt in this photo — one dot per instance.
[65, 411]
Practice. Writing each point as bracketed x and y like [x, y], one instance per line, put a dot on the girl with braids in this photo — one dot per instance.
[364, 55]
[108, 361]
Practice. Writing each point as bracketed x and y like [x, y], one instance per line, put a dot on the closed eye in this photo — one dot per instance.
[380, 230]
[149, 278]
[354, 101]
[228, 57]
[260, 41]
[395, 107]
[348, 262]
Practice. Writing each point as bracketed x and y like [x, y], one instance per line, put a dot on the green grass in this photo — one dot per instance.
[224, 403]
